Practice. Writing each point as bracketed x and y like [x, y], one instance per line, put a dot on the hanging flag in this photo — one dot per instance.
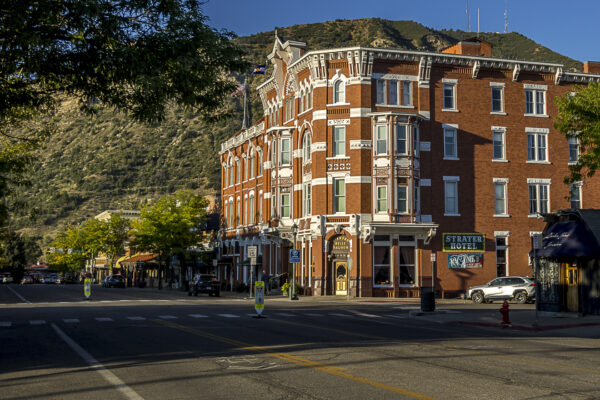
[259, 69]
[239, 90]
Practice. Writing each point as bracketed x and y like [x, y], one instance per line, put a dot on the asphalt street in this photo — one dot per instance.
[136, 344]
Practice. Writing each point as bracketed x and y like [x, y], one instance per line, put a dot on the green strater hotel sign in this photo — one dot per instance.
[464, 242]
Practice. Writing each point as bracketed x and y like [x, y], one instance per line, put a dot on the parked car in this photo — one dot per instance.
[6, 278]
[27, 279]
[518, 288]
[52, 278]
[112, 281]
[205, 283]
[67, 279]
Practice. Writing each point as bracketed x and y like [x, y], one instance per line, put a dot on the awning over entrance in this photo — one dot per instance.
[568, 234]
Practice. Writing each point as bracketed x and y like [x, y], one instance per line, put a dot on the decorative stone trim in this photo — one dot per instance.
[360, 144]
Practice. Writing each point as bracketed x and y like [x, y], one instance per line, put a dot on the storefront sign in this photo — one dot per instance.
[459, 261]
[464, 242]
[340, 245]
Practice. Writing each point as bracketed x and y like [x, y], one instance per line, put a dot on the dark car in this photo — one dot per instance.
[205, 283]
[114, 281]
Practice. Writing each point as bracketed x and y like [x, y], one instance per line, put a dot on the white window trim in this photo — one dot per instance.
[503, 181]
[454, 179]
[538, 182]
[376, 140]
[377, 211]
[503, 130]
[454, 84]
[537, 88]
[501, 86]
[536, 132]
[455, 128]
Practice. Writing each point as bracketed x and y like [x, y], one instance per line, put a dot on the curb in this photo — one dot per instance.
[534, 328]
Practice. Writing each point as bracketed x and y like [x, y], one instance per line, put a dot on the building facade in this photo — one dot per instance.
[393, 170]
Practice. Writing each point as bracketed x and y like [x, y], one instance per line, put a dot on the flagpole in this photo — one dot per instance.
[244, 126]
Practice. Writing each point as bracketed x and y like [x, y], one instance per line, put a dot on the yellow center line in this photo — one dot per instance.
[458, 349]
[292, 359]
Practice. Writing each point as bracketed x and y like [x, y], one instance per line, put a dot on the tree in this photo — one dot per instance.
[13, 254]
[68, 251]
[170, 226]
[579, 117]
[134, 56]
[107, 237]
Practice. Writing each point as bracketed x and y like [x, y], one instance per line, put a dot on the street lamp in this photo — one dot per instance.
[293, 295]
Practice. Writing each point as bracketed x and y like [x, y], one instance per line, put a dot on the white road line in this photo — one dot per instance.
[6, 324]
[397, 315]
[284, 314]
[103, 319]
[366, 315]
[37, 322]
[136, 318]
[70, 320]
[228, 315]
[167, 317]
[340, 315]
[106, 374]
[23, 299]
[198, 315]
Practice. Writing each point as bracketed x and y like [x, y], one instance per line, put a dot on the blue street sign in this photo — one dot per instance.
[294, 256]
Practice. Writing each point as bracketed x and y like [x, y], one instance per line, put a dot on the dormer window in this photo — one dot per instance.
[339, 92]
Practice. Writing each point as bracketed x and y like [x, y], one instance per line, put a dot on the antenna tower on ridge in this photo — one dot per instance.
[468, 17]
[506, 16]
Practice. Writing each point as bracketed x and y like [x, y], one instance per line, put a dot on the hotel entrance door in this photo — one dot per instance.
[341, 278]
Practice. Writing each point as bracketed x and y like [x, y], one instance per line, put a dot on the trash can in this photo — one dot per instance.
[427, 299]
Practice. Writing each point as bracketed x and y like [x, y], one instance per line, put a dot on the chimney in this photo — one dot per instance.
[470, 47]
[591, 67]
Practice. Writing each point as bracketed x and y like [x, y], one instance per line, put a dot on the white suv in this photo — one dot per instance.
[6, 278]
[519, 288]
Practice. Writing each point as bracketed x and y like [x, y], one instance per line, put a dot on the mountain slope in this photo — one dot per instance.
[107, 162]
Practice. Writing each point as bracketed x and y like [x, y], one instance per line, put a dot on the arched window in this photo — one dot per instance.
[310, 98]
[238, 167]
[252, 162]
[230, 212]
[230, 171]
[251, 211]
[238, 211]
[306, 143]
[260, 163]
[273, 150]
[339, 92]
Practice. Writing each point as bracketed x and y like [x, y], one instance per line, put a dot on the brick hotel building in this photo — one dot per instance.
[384, 160]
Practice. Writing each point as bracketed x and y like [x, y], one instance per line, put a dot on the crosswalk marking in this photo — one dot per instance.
[228, 315]
[351, 314]
[283, 314]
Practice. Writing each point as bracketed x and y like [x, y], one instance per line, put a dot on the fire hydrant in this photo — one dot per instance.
[504, 311]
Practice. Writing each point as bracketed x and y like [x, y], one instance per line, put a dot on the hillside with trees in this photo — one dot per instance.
[107, 161]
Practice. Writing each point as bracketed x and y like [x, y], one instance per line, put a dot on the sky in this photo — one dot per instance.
[569, 27]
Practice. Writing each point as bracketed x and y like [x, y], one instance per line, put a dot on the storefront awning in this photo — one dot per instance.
[568, 238]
